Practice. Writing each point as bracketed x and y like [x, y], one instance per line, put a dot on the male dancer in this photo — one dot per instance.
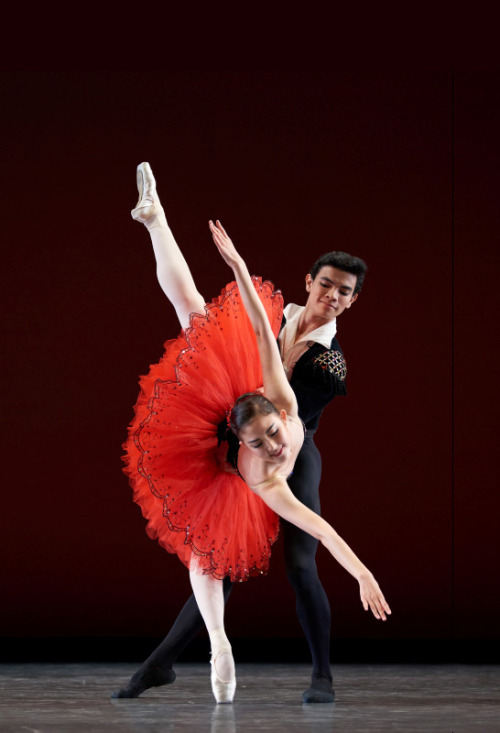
[316, 369]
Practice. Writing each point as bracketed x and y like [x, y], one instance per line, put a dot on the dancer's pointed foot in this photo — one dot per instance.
[149, 210]
[321, 690]
[143, 680]
[223, 677]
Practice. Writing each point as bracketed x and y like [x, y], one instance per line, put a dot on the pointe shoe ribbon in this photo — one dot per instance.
[223, 690]
[148, 211]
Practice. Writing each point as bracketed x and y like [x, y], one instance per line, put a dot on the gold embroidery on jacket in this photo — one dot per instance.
[333, 362]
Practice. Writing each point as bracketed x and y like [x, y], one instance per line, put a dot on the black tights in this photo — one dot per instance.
[187, 624]
[313, 609]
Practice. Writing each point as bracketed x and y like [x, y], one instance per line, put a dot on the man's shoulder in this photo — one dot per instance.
[317, 349]
[331, 360]
[335, 346]
[320, 359]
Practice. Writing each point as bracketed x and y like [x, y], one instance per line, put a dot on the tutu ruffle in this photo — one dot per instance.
[192, 506]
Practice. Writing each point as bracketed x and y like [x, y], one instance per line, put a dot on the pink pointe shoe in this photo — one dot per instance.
[223, 690]
[148, 211]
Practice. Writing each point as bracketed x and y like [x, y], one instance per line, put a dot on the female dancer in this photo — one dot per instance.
[217, 522]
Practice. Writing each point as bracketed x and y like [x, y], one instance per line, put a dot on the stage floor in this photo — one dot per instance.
[43, 698]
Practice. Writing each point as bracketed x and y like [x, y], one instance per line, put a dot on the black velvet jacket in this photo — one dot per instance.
[318, 376]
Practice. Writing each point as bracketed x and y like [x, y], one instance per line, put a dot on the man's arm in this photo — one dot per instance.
[318, 377]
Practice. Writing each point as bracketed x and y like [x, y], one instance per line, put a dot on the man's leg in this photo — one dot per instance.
[157, 669]
[313, 608]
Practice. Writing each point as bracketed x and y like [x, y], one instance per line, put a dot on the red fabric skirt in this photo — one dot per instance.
[193, 506]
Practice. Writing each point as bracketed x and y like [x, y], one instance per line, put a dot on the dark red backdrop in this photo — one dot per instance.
[294, 164]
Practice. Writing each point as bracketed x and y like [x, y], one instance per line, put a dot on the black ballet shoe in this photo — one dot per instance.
[321, 691]
[141, 681]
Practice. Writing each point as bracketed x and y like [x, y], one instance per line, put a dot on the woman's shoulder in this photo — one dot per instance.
[250, 468]
[297, 423]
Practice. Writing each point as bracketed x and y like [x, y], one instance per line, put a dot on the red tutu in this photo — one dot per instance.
[172, 458]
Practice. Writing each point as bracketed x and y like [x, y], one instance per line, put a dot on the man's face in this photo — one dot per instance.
[330, 293]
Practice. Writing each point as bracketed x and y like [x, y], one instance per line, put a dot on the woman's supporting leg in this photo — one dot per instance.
[157, 669]
[172, 270]
[209, 596]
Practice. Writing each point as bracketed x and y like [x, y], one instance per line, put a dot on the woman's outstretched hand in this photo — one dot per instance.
[224, 244]
[373, 598]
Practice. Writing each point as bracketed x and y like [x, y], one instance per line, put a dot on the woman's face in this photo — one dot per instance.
[267, 436]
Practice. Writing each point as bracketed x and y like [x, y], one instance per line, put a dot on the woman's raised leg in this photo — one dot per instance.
[209, 596]
[173, 272]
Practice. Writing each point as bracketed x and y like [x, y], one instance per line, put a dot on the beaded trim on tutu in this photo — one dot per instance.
[193, 507]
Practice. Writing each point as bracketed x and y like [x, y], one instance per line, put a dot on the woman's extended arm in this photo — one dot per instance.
[277, 495]
[276, 386]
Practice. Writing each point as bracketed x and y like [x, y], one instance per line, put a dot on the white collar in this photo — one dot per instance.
[322, 335]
